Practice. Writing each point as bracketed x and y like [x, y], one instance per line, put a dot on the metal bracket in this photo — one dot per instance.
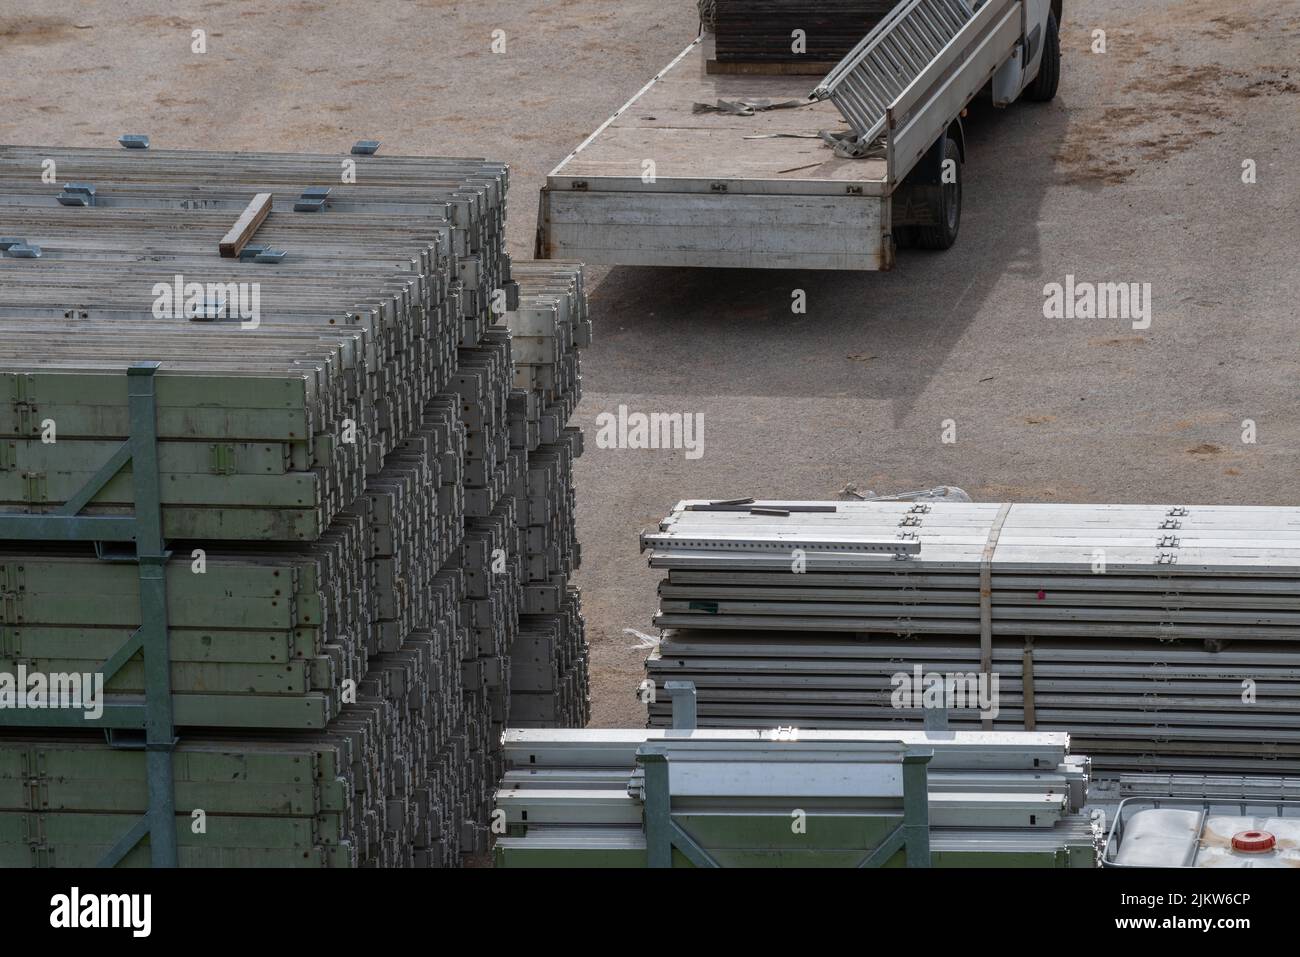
[1168, 541]
[1167, 558]
[77, 194]
[254, 252]
[1178, 510]
[1171, 523]
[312, 200]
[210, 310]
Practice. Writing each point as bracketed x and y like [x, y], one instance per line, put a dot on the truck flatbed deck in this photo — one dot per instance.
[662, 184]
[660, 124]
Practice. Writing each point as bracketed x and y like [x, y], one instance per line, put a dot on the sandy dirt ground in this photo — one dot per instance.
[1133, 174]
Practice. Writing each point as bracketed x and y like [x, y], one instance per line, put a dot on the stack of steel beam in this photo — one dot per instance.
[763, 31]
[337, 471]
[575, 798]
[1160, 637]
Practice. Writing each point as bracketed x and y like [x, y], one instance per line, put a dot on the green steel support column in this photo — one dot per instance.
[160, 738]
[658, 813]
[916, 807]
[685, 708]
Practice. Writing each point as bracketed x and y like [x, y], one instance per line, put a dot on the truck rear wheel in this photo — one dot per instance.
[1043, 88]
[945, 207]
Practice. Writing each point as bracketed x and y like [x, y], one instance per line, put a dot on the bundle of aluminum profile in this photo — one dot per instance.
[1131, 705]
[1218, 573]
[1157, 636]
[577, 798]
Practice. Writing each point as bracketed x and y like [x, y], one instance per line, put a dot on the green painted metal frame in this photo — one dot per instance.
[663, 834]
[913, 835]
[145, 528]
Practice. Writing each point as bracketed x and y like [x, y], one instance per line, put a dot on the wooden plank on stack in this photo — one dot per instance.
[338, 478]
[1160, 637]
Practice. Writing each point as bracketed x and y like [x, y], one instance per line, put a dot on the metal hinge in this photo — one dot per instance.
[1177, 510]
[35, 487]
[11, 606]
[718, 187]
[920, 508]
[8, 456]
[27, 416]
[1168, 541]
[222, 459]
[853, 190]
[1171, 523]
[910, 520]
[578, 184]
[1167, 558]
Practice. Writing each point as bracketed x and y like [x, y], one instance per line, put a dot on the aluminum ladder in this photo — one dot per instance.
[889, 58]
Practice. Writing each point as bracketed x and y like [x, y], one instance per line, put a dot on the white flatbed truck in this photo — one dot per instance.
[661, 184]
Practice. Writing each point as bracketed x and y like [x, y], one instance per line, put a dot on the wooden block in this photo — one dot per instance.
[233, 243]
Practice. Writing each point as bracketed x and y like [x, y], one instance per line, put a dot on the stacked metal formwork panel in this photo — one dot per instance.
[549, 661]
[1160, 637]
[764, 31]
[337, 475]
[578, 798]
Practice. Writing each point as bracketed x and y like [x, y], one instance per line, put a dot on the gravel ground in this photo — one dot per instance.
[1133, 174]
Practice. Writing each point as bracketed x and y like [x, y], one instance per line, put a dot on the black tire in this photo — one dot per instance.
[945, 209]
[1043, 87]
